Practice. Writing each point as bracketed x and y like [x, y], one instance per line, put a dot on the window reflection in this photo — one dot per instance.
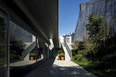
[3, 46]
[22, 51]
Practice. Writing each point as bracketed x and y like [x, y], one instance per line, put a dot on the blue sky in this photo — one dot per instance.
[68, 15]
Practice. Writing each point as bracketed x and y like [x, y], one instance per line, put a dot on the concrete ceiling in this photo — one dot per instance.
[44, 16]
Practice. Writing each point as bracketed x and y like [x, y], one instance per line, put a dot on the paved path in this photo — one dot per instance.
[68, 69]
[60, 69]
[23, 63]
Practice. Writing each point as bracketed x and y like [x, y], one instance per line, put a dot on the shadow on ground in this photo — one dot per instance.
[68, 71]
[21, 71]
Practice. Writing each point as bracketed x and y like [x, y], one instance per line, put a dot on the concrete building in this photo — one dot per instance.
[69, 39]
[36, 17]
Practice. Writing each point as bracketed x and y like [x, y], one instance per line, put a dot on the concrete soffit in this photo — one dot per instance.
[28, 14]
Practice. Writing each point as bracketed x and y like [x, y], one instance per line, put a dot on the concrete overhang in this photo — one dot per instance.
[41, 16]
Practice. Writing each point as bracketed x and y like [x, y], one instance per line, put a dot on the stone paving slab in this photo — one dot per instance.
[60, 69]
[68, 69]
[42, 70]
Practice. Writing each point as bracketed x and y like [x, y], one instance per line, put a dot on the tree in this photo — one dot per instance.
[95, 27]
[77, 45]
[16, 49]
[96, 32]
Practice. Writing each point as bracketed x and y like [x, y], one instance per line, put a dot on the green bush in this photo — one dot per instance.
[16, 49]
[61, 55]
[15, 58]
[84, 59]
[32, 54]
[78, 57]
[83, 52]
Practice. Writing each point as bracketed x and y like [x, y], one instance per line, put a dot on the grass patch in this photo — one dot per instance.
[97, 69]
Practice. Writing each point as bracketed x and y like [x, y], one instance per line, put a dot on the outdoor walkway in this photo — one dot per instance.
[23, 63]
[60, 69]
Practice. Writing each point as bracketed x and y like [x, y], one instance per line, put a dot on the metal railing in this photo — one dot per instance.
[28, 50]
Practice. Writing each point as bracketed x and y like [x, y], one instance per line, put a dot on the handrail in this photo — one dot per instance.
[68, 49]
[28, 50]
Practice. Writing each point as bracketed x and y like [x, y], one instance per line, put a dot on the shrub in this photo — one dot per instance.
[84, 59]
[78, 57]
[61, 55]
[32, 54]
[15, 58]
[83, 52]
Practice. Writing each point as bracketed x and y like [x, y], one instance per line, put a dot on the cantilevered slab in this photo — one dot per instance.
[39, 15]
[43, 14]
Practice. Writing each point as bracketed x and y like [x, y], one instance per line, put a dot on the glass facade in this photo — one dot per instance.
[3, 45]
[13, 41]
[23, 51]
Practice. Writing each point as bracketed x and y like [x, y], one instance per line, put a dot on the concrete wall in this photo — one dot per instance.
[106, 7]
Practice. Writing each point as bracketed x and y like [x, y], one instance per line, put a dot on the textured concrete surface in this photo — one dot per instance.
[60, 69]
[105, 7]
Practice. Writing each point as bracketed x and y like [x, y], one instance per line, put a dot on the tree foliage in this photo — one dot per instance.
[95, 27]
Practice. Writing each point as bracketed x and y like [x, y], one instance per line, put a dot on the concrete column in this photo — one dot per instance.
[33, 38]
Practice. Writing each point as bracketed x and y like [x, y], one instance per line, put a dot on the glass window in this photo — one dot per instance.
[68, 40]
[3, 45]
[22, 51]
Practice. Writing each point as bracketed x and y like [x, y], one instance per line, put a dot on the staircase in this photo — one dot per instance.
[26, 52]
[68, 52]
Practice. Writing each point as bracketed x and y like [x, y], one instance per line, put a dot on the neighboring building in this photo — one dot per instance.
[68, 38]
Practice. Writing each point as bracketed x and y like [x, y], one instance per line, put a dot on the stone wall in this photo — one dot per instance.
[105, 7]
